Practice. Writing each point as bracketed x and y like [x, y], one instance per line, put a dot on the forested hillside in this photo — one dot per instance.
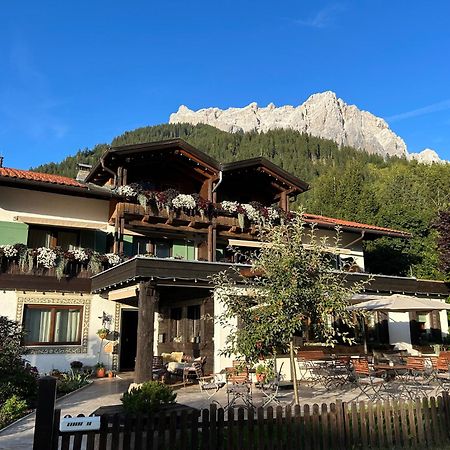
[346, 183]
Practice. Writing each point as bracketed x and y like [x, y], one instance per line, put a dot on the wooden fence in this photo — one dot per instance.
[423, 423]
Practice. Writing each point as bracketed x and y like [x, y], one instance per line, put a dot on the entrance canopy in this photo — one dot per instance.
[398, 302]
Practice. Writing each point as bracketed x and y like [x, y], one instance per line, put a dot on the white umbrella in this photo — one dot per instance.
[398, 302]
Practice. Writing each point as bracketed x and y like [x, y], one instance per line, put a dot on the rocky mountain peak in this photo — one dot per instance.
[323, 115]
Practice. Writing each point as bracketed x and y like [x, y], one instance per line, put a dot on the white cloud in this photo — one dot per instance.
[323, 18]
[434, 107]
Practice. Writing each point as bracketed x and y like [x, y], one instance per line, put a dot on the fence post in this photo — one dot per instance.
[45, 410]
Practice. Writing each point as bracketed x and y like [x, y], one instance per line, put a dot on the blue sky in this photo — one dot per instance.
[73, 74]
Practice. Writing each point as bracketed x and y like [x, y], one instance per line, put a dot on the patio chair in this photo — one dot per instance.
[159, 368]
[270, 388]
[370, 382]
[191, 372]
[418, 376]
[209, 385]
[441, 369]
[310, 364]
[239, 386]
[337, 373]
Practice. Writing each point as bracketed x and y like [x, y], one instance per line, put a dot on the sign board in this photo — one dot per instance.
[80, 424]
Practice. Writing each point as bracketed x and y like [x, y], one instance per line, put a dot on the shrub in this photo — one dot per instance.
[76, 365]
[16, 375]
[71, 381]
[148, 398]
[13, 408]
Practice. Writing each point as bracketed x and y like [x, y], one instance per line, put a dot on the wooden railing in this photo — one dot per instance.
[72, 270]
[223, 221]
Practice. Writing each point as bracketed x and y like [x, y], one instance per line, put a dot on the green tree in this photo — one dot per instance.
[290, 283]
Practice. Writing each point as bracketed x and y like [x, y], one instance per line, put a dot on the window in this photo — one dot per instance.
[175, 324]
[48, 325]
[193, 316]
[52, 237]
[163, 249]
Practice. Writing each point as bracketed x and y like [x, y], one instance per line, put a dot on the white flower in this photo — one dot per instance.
[273, 214]
[251, 213]
[230, 207]
[184, 201]
[126, 191]
[79, 255]
[46, 257]
[9, 251]
[113, 259]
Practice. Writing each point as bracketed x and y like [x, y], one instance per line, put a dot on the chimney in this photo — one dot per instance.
[83, 171]
[1, 161]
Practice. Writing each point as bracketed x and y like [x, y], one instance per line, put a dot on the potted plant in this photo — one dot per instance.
[260, 371]
[100, 370]
[102, 333]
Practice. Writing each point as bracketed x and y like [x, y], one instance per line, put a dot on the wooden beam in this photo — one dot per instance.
[145, 331]
[162, 226]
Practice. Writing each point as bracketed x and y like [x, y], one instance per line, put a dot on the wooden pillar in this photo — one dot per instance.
[145, 331]
[45, 410]
[284, 201]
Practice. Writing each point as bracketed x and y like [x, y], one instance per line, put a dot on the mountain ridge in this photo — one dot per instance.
[322, 115]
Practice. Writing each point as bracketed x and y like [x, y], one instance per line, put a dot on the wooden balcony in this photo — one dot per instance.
[152, 218]
[75, 278]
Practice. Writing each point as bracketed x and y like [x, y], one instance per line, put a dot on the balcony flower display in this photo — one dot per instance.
[46, 257]
[77, 254]
[231, 207]
[127, 191]
[113, 259]
[184, 201]
[8, 251]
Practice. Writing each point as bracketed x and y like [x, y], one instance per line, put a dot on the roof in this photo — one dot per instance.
[115, 154]
[260, 161]
[47, 182]
[330, 222]
[36, 176]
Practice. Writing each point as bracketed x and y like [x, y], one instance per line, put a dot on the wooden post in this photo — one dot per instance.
[145, 332]
[45, 410]
[294, 373]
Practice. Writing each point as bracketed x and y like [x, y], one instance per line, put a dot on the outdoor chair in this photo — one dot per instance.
[337, 373]
[191, 372]
[209, 385]
[311, 367]
[418, 376]
[270, 388]
[441, 371]
[239, 386]
[369, 381]
[159, 368]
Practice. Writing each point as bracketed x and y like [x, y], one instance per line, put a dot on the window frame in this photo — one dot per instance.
[53, 234]
[54, 308]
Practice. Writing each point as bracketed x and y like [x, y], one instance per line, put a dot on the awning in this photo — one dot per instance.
[62, 222]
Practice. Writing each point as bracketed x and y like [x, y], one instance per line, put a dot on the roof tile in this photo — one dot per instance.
[40, 177]
[322, 220]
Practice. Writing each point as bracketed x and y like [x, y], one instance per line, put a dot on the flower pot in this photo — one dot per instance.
[110, 374]
[100, 372]
[260, 377]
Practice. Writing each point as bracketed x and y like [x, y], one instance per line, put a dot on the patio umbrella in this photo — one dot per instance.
[396, 302]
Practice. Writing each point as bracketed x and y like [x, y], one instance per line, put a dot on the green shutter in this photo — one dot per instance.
[183, 249]
[13, 233]
[87, 239]
[128, 245]
[100, 241]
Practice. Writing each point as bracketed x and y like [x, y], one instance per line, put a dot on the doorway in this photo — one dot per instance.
[128, 339]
